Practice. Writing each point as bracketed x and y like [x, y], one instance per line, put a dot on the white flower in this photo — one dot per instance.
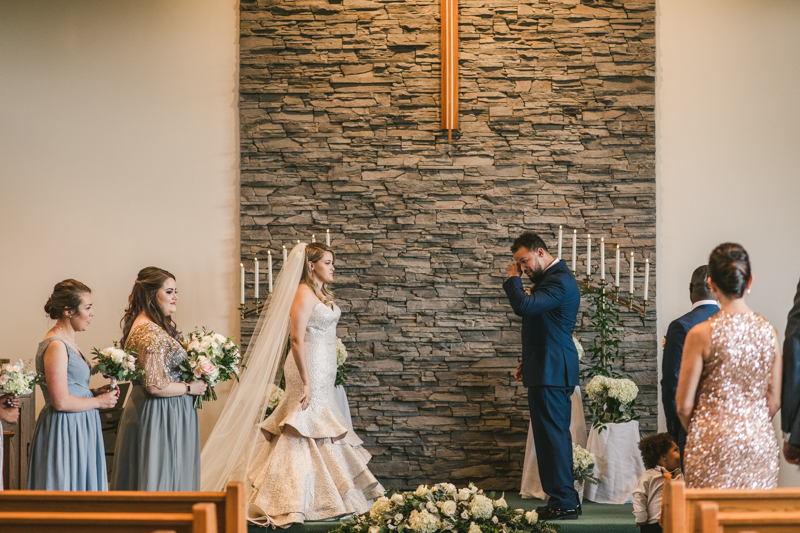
[481, 507]
[421, 491]
[474, 528]
[275, 396]
[500, 503]
[3, 379]
[423, 522]
[464, 515]
[374, 529]
[449, 488]
[221, 339]
[381, 506]
[397, 498]
[398, 517]
[597, 389]
[579, 347]
[495, 520]
[464, 494]
[118, 356]
[623, 390]
[532, 517]
[341, 352]
[430, 507]
[193, 346]
[449, 507]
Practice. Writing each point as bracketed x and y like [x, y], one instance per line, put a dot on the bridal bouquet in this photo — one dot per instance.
[612, 400]
[14, 380]
[582, 464]
[117, 364]
[212, 358]
[275, 395]
[441, 508]
[341, 357]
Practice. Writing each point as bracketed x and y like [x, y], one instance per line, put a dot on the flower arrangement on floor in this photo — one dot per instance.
[211, 357]
[14, 380]
[275, 395]
[444, 508]
[612, 400]
[583, 464]
[341, 357]
[117, 364]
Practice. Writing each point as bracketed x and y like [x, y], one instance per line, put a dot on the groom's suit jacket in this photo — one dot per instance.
[549, 356]
[790, 395]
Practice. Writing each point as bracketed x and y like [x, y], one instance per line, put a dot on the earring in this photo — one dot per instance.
[748, 291]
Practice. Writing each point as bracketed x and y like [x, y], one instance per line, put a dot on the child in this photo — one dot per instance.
[662, 458]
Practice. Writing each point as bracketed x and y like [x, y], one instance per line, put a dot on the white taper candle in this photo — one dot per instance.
[617, 272]
[560, 234]
[284, 254]
[646, 277]
[256, 278]
[269, 269]
[327, 237]
[602, 258]
[589, 255]
[241, 273]
[632, 265]
[313, 238]
[574, 250]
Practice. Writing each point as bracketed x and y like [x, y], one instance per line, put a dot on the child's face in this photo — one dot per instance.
[672, 459]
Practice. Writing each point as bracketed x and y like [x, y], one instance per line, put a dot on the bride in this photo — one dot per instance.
[302, 463]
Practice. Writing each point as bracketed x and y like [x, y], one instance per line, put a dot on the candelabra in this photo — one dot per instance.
[247, 311]
[629, 302]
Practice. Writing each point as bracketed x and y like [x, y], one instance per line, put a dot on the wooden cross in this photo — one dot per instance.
[449, 67]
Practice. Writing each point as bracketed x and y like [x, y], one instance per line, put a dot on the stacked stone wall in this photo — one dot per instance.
[339, 112]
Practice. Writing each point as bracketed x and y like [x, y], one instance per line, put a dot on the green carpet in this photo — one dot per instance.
[596, 518]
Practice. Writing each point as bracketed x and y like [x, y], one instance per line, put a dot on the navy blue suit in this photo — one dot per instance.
[550, 372]
[671, 366]
[790, 395]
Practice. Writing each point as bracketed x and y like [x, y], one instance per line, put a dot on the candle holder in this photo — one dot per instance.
[247, 312]
[613, 296]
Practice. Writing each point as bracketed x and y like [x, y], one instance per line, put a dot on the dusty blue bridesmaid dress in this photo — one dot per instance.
[158, 443]
[67, 451]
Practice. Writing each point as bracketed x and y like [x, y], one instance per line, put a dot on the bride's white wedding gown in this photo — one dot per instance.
[308, 464]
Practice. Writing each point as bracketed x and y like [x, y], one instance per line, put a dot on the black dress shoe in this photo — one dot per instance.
[552, 513]
[543, 507]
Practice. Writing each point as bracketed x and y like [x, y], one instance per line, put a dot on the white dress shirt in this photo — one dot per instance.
[648, 492]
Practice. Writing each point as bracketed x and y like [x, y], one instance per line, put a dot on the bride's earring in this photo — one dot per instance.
[748, 291]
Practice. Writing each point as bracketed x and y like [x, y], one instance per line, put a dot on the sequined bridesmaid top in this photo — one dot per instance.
[158, 353]
[731, 441]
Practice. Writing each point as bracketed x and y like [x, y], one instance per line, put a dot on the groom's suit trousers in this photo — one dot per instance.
[551, 411]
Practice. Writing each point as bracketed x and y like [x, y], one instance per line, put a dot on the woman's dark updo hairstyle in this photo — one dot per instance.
[144, 298]
[66, 297]
[729, 268]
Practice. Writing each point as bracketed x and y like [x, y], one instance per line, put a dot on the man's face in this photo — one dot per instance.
[531, 264]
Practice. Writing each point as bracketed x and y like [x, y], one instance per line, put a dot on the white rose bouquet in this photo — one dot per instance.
[442, 508]
[341, 357]
[117, 364]
[582, 464]
[274, 395]
[14, 380]
[211, 357]
[612, 400]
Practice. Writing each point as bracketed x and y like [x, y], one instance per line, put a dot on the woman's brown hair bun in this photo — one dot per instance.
[66, 297]
[729, 268]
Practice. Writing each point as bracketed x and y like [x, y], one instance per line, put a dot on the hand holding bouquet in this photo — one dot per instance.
[341, 357]
[14, 380]
[117, 364]
[212, 358]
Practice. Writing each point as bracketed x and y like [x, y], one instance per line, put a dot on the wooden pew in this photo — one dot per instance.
[202, 519]
[229, 504]
[680, 515]
[711, 520]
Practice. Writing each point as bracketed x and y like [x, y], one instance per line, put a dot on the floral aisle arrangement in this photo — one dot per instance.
[14, 380]
[341, 357]
[211, 357]
[117, 364]
[275, 395]
[582, 464]
[612, 400]
[444, 508]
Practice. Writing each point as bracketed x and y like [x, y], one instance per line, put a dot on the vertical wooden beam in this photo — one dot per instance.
[449, 67]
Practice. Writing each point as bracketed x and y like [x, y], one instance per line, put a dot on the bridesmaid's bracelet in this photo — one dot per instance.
[188, 389]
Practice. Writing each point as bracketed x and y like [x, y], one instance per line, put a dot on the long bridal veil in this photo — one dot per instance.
[230, 447]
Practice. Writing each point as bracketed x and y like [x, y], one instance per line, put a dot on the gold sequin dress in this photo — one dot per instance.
[731, 441]
[311, 467]
[158, 441]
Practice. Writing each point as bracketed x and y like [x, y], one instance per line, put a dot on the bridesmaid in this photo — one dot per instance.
[158, 444]
[67, 451]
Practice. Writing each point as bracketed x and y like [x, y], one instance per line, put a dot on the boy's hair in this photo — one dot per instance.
[653, 447]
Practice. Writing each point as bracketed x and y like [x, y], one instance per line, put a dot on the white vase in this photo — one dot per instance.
[579, 489]
[618, 462]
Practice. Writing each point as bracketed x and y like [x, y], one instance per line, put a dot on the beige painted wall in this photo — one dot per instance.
[118, 150]
[727, 149]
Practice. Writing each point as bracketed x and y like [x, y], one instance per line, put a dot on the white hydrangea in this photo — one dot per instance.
[381, 506]
[481, 507]
[423, 522]
[275, 395]
[597, 388]
[582, 458]
[622, 390]
[341, 352]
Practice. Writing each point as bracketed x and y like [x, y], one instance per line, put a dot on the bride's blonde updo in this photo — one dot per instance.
[314, 252]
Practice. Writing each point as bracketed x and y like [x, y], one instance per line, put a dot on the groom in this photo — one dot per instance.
[549, 367]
